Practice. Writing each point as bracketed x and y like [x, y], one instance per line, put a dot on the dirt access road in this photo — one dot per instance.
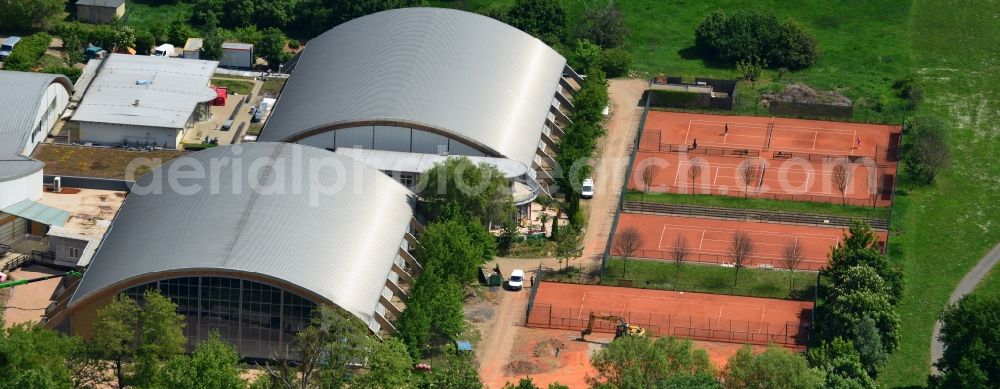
[610, 163]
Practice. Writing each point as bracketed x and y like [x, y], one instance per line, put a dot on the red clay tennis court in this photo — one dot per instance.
[709, 239]
[699, 316]
[789, 159]
[795, 136]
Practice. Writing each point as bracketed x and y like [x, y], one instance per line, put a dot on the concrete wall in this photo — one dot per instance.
[25, 188]
[52, 104]
[242, 59]
[390, 138]
[99, 15]
[63, 249]
[114, 134]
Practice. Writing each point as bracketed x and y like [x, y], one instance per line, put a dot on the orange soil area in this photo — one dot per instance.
[709, 240]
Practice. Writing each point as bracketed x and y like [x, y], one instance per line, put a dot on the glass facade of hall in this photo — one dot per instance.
[259, 319]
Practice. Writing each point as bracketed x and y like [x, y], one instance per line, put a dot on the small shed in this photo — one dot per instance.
[237, 55]
[99, 11]
[192, 48]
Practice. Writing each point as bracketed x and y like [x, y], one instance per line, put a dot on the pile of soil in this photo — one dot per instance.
[522, 368]
[798, 93]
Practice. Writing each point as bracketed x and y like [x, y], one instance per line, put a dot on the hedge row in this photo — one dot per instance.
[27, 52]
[756, 37]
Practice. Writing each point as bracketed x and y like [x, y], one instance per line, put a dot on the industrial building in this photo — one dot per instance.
[100, 11]
[30, 105]
[415, 85]
[276, 230]
[237, 55]
[145, 101]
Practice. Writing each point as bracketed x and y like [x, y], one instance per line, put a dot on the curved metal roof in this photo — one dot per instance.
[20, 96]
[321, 221]
[464, 74]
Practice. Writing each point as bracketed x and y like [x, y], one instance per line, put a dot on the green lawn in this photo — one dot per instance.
[865, 45]
[990, 285]
[760, 204]
[948, 227]
[241, 87]
[51, 61]
[711, 279]
[143, 15]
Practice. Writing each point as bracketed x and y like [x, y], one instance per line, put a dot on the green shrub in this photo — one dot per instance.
[673, 98]
[911, 89]
[616, 62]
[294, 44]
[746, 35]
[72, 73]
[27, 52]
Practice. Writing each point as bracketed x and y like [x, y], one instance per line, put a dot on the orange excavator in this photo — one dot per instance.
[622, 328]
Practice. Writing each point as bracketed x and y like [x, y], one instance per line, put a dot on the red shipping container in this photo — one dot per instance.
[220, 99]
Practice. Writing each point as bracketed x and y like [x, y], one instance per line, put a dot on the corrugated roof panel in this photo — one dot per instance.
[20, 98]
[318, 220]
[454, 71]
[147, 91]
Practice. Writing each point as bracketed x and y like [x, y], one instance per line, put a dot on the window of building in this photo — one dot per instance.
[408, 180]
[74, 252]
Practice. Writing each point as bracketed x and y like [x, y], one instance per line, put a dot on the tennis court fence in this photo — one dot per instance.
[748, 215]
[701, 150]
[790, 334]
[881, 199]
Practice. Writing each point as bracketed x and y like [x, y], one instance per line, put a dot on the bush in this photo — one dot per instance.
[911, 89]
[605, 26]
[27, 52]
[750, 35]
[616, 62]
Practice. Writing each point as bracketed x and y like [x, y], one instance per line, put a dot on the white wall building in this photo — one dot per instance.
[145, 101]
[30, 105]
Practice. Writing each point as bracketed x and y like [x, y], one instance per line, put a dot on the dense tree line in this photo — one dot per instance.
[578, 145]
[970, 331]
[28, 16]
[756, 37]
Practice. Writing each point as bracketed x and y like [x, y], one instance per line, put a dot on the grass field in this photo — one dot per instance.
[865, 45]
[143, 15]
[711, 279]
[241, 87]
[760, 204]
[948, 227]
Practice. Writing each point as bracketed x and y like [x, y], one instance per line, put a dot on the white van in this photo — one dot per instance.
[587, 190]
[516, 280]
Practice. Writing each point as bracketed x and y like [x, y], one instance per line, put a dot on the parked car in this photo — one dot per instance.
[587, 190]
[516, 280]
[8, 46]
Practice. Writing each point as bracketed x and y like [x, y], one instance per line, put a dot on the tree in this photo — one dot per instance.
[115, 334]
[33, 357]
[649, 174]
[144, 42]
[616, 62]
[750, 69]
[680, 251]
[569, 245]
[543, 19]
[640, 362]
[859, 248]
[508, 232]
[524, 383]
[29, 16]
[969, 331]
[214, 364]
[323, 351]
[773, 368]
[389, 366]
[453, 249]
[843, 367]
[161, 336]
[73, 40]
[694, 170]
[125, 38]
[211, 48]
[845, 311]
[455, 370]
[207, 13]
[925, 149]
[178, 32]
[627, 242]
[748, 35]
[740, 250]
[791, 255]
[587, 56]
[271, 46]
[868, 343]
[605, 26]
[481, 191]
[841, 177]
[747, 171]
[543, 218]
[414, 328]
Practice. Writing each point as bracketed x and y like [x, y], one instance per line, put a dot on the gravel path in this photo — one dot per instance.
[968, 283]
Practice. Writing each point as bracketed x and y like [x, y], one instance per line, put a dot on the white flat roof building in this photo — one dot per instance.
[136, 99]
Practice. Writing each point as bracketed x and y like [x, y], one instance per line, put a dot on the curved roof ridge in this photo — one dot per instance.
[21, 93]
[458, 72]
[294, 213]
